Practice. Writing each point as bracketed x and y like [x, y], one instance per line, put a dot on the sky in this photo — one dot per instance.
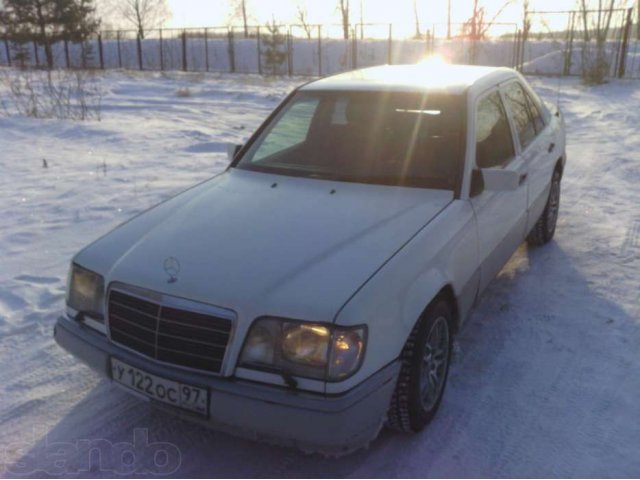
[197, 13]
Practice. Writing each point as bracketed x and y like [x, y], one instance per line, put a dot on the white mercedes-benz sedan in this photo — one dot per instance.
[309, 294]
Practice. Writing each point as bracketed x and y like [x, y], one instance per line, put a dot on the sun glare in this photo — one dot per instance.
[433, 61]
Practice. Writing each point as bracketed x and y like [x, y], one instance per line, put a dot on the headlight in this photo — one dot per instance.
[312, 350]
[85, 292]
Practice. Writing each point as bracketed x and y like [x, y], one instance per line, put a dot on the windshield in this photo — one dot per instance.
[389, 138]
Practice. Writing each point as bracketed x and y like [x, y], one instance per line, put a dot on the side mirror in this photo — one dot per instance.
[232, 151]
[500, 180]
[477, 183]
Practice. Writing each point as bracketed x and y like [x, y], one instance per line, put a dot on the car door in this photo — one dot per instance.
[536, 145]
[501, 216]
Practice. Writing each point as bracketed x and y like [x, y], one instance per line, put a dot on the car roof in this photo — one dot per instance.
[427, 76]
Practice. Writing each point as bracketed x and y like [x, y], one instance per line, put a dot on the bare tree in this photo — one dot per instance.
[241, 10]
[526, 21]
[417, 18]
[477, 26]
[343, 6]
[595, 67]
[144, 14]
[303, 17]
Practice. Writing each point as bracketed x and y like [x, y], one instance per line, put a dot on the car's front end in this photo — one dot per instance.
[235, 303]
[245, 337]
[162, 366]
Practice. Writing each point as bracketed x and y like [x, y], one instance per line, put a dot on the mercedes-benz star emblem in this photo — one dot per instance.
[172, 267]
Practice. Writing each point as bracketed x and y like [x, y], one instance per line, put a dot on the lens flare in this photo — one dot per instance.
[433, 61]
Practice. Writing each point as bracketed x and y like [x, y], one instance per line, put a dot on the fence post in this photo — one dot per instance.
[319, 50]
[514, 53]
[569, 57]
[184, 50]
[289, 52]
[427, 36]
[35, 52]
[390, 46]
[66, 53]
[101, 51]
[7, 50]
[625, 44]
[119, 52]
[139, 44]
[523, 42]
[516, 56]
[206, 49]
[232, 53]
[354, 49]
[161, 52]
[616, 64]
[433, 40]
[258, 44]
[638, 23]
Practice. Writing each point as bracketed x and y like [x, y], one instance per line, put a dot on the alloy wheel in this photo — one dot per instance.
[434, 363]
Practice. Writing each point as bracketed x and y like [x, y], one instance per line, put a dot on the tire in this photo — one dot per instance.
[422, 380]
[545, 227]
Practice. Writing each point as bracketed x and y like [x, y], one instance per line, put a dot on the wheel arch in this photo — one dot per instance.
[447, 294]
[559, 167]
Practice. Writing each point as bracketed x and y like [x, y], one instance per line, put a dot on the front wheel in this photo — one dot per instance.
[545, 227]
[425, 367]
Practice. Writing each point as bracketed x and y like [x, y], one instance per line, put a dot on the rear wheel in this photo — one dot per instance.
[545, 227]
[425, 367]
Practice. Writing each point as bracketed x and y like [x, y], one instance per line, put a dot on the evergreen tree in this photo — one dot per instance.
[49, 21]
[273, 53]
[20, 53]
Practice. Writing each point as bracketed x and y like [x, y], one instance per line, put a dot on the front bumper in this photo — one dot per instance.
[329, 424]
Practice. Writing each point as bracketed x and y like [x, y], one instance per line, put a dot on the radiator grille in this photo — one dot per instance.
[173, 335]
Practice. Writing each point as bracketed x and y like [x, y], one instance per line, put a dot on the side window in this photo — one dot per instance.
[494, 143]
[538, 122]
[290, 129]
[517, 100]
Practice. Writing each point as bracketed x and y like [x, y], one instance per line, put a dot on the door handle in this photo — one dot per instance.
[551, 147]
[523, 178]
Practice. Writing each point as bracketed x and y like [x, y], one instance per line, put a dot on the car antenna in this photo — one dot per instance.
[558, 95]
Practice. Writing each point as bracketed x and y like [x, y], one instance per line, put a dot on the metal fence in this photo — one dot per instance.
[554, 50]
[548, 43]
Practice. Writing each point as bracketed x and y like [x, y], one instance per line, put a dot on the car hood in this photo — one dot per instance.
[263, 244]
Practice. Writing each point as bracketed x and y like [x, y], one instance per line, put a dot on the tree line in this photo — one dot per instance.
[46, 22]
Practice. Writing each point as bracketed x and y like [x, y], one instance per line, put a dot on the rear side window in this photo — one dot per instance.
[521, 109]
[494, 143]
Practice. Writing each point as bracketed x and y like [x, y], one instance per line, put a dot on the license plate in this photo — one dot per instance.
[189, 397]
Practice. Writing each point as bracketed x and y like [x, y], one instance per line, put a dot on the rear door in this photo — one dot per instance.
[501, 216]
[536, 145]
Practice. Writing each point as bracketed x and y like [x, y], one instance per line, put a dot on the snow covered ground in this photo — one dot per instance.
[546, 379]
